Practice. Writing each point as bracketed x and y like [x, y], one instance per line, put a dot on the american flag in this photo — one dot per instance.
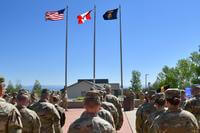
[55, 15]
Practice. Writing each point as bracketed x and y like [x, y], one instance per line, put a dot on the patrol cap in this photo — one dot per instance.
[2, 80]
[107, 87]
[92, 96]
[45, 91]
[172, 93]
[56, 98]
[159, 98]
[22, 94]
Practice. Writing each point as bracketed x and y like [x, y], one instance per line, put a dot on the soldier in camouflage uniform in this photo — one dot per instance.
[104, 114]
[64, 98]
[175, 120]
[33, 99]
[90, 122]
[61, 111]
[49, 116]
[193, 105]
[183, 99]
[109, 107]
[144, 111]
[160, 108]
[115, 101]
[10, 118]
[30, 120]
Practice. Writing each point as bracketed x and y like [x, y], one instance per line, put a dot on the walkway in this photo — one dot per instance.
[73, 114]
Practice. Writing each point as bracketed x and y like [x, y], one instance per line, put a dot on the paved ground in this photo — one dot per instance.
[128, 125]
[131, 118]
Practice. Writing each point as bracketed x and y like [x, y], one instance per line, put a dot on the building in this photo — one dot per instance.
[82, 86]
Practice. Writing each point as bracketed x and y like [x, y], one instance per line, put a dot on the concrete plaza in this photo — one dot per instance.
[128, 125]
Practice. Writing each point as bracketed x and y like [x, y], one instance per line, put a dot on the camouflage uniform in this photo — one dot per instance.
[112, 109]
[49, 116]
[33, 99]
[193, 105]
[104, 114]
[10, 118]
[159, 111]
[143, 112]
[115, 101]
[61, 111]
[90, 122]
[183, 99]
[30, 120]
[175, 120]
[64, 98]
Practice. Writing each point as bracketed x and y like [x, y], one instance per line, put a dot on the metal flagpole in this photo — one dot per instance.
[94, 48]
[121, 59]
[66, 49]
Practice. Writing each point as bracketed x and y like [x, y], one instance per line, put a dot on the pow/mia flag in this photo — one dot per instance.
[111, 14]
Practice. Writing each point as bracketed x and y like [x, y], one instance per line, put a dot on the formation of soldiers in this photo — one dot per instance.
[23, 113]
[103, 113]
[169, 112]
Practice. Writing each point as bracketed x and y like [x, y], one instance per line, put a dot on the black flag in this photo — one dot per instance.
[111, 14]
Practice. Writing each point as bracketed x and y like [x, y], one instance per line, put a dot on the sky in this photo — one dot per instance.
[154, 32]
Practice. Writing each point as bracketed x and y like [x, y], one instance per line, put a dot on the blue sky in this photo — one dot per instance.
[155, 33]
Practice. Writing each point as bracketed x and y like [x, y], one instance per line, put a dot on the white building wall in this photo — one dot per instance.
[77, 90]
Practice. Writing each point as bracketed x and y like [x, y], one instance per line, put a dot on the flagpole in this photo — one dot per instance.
[121, 52]
[94, 48]
[66, 50]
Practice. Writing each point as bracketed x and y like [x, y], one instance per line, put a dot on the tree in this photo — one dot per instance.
[195, 58]
[18, 86]
[184, 68]
[10, 88]
[185, 73]
[135, 81]
[168, 76]
[37, 88]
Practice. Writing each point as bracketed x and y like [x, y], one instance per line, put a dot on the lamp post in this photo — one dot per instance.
[146, 76]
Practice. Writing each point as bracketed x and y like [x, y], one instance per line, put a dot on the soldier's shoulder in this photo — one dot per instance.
[148, 107]
[107, 104]
[140, 108]
[9, 107]
[104, 111]
[191, 100]
[61, 109]
[187, 114]
[32, 113]
[80, 122]
[103, 123]
[94, 124]
[110, 96]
